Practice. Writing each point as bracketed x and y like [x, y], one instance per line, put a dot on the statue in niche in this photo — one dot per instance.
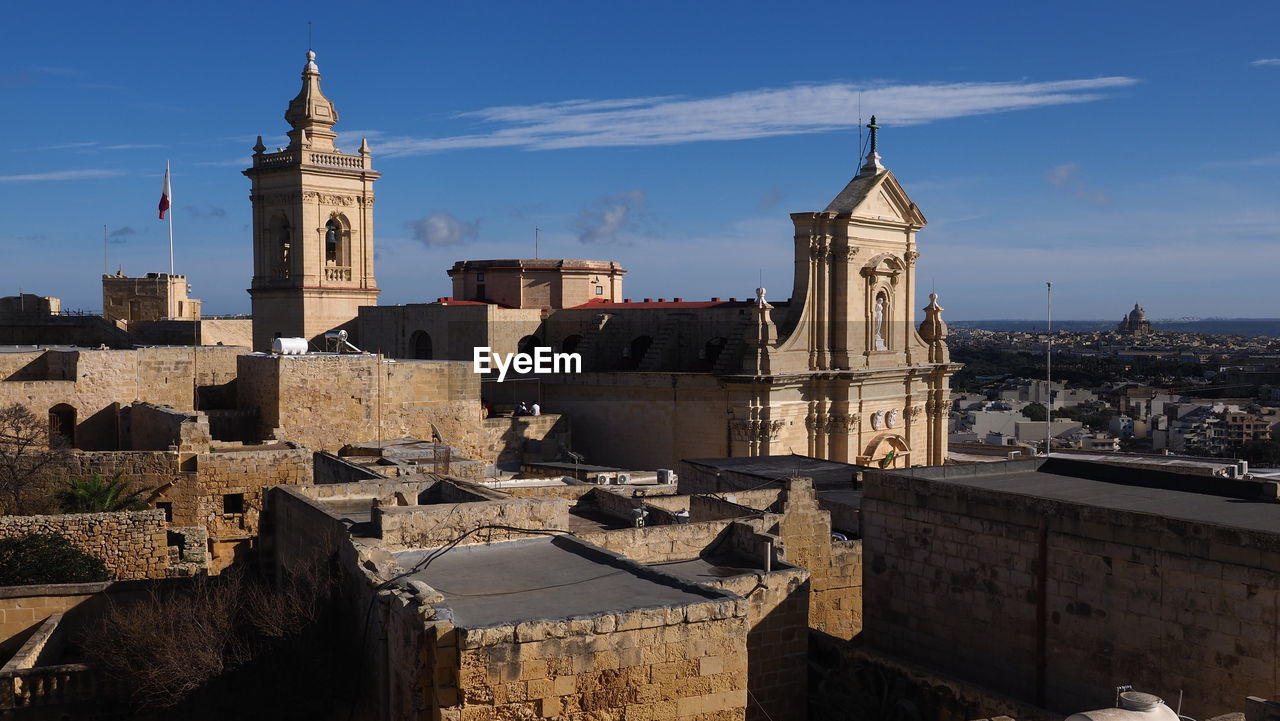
[878, 323]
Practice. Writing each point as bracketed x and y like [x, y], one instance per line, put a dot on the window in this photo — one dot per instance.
[332, 241]
[479, 277]
[599, 290]
[167, 507]
[233, 503]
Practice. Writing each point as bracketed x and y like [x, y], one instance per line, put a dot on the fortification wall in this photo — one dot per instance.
[327, 401]
[1052, 602]
[96, 383]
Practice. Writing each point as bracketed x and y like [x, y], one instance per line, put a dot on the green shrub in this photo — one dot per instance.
[96, 495]
[47, 558]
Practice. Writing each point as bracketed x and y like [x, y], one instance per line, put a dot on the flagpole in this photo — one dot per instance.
[166, 175]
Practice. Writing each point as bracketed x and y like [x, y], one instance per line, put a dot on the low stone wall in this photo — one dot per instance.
[23, 608]
[509, 441]
[659, 544]
[159, 428]
[402, 527]
[132, 544]
[333, 469]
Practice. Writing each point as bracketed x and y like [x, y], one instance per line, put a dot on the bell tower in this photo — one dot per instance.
[312, 225]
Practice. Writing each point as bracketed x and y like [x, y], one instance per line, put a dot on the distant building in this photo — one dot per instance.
[537, 283]
[155, 296]
[1135, 323]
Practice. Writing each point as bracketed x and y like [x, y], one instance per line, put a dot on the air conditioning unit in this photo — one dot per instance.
[666, 476]
[602, 479]
[622, 478]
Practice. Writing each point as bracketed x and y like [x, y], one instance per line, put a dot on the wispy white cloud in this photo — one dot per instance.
[133, 146]
[441, 228]
[1266, 160]
[1266, 61]
[605, 220]
[88, 174]
[765, 112]
[1066, 177]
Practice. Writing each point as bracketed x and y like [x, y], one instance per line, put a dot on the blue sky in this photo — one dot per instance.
[1126, 151]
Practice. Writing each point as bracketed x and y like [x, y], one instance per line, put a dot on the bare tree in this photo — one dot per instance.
[28, 457]
[184, 635]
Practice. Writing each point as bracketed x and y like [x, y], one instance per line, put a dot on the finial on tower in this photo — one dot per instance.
[313, 68]
[364, 146]
[258, 147]
[872, 164]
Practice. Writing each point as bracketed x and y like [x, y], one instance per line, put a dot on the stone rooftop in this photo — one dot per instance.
[545, 578]
[1218, 501]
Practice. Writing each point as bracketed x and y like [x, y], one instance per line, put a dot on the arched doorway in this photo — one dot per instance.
[570, 343]
[420, 343]
[887, 451]
[633, 353]
[528, 344]
[62, 426]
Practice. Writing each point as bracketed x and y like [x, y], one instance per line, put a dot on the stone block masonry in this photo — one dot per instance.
[649, 665]
[1055, 603]
[132, 544]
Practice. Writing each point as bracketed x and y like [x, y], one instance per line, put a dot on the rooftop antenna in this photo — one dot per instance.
[310, 43]
[1048, 367]
[105, 264]
[536, 232]
[859, 160]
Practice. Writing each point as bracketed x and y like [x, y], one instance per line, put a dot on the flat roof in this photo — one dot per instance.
[700, 570]
[543, 578]
[832, 480]
[1201, 499]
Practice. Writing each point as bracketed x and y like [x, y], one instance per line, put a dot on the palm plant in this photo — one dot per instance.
[99, 495]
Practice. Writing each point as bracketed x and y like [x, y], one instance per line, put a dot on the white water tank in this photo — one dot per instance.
[1134, 706]
[289, 346]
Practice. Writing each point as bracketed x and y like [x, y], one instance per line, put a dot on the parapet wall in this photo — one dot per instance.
[159, 428]
[1054, 602]
[404, 527]
[132, 544]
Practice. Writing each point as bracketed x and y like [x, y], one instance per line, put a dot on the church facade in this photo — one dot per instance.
[841, 370]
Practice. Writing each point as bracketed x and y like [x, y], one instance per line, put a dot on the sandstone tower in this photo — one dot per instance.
[312, 225]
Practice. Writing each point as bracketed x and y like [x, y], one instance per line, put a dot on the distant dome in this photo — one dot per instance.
[1137, 313]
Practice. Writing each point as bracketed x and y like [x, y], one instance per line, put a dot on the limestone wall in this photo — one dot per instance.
[1055, 603]
[666, 663]
[659, 544]
[642, 420]
[244, 473]
[432, 526]
[23, 607]
[327, 401]
[96, 383]
[157, 428]
[132, 544]
[512, 440]
[777, 642]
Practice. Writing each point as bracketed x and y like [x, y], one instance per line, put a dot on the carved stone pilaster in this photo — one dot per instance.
[845, 424]
[910, 257]
[769, 430]
[744, 430]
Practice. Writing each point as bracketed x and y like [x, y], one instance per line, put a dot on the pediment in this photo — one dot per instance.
[877, 197]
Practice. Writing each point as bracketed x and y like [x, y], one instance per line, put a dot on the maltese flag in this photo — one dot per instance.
[164, 196]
